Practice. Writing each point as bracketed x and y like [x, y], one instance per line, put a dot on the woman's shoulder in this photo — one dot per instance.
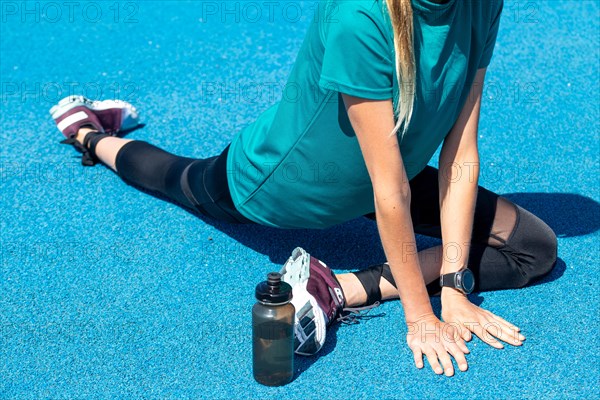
[350, 10]
[354, 16]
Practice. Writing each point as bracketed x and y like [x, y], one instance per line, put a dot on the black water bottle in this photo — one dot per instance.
[273, 332]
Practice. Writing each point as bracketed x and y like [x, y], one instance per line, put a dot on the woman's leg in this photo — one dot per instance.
[356, 295]
[510, 246]
[199, 184]
[106, 149]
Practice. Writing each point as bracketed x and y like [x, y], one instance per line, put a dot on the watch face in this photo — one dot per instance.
[468, 281]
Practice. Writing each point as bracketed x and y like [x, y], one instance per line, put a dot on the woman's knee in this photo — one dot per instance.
[534, 245]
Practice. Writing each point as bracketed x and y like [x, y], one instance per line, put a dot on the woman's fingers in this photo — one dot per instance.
[483, 334]
[466, 334]
[510, 330]
[457, 352]
[457, 347]
[485, 324]
[432, 359]
[457, 336]
[439, 348]
[502, 320]
[418, 356]
[490, 328]
[460, 341]
[444, 357]
[502, 332]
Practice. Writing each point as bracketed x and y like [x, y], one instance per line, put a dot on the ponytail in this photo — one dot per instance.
[401, 16]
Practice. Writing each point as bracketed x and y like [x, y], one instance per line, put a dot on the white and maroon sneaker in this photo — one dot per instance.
[107, 116]
[318, 298]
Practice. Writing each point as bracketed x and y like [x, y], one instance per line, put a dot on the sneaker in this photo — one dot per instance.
[108, 116]
[318, 298]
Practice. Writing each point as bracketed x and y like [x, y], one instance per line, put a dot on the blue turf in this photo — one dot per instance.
[107, 291]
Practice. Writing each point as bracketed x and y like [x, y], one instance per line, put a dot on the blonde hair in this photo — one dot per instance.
[401, 16]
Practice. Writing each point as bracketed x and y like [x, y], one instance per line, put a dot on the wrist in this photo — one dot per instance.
[448, 268]
[463, 280]
[449, 293]
[416, 316]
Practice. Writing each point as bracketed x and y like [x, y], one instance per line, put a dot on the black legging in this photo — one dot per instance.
[199, 184]
[522, 247]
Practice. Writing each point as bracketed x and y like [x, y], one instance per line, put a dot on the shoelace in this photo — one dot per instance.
[354, 314]
[87, 148]
[86, 158]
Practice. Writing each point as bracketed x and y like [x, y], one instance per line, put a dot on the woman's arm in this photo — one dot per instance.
[458, 180]
[373, 123]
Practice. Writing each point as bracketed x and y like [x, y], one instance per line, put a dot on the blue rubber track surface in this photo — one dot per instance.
[106, 291]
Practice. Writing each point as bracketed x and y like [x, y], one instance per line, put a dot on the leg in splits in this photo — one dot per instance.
[199, 184]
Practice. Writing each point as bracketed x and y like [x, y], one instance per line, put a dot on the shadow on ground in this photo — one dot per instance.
[355, 244]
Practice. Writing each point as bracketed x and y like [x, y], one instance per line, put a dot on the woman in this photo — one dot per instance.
[378, 86]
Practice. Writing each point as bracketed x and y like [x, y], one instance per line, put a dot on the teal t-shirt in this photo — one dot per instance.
[299, 165]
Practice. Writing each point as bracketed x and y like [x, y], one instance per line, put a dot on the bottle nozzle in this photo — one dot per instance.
[274, 289]
[274, 279]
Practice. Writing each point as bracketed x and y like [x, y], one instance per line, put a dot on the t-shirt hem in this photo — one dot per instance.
[232, 191]
[327, 83]
[484, 63]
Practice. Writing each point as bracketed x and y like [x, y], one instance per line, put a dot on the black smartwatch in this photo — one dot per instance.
[462, 280]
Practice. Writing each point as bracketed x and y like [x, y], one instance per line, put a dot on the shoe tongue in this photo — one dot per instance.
[111, 119]
[327, 293]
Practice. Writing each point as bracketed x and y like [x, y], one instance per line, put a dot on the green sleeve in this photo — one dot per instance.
[491, 36]
[358, 59]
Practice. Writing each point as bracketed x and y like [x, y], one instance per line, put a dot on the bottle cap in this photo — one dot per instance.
[273, 290]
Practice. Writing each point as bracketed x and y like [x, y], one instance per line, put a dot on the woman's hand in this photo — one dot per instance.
[465, 316]
[437, 340]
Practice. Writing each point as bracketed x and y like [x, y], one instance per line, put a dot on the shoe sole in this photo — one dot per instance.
[296, 274]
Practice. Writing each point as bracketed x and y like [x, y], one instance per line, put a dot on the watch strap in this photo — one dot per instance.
[447, 280]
